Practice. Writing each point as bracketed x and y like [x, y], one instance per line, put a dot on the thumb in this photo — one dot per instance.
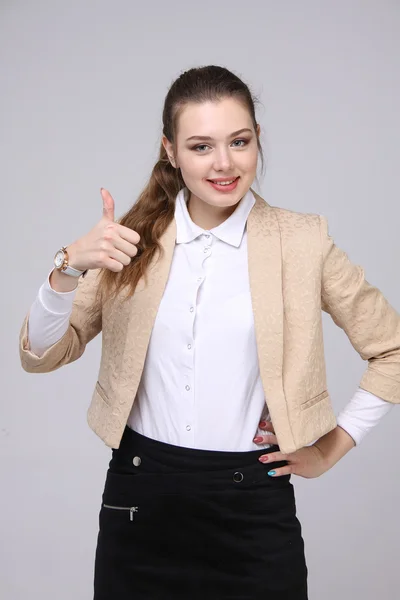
[108, 204]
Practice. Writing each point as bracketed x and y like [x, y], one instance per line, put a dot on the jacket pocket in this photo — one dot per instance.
[102, 393]
[314, 400]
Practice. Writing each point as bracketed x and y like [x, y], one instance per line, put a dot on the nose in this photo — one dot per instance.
[222, 160]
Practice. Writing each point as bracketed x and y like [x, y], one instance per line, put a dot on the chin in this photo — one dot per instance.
[225, 200]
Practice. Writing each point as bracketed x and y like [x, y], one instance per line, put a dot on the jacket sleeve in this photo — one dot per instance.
[369, 321]
[84, 324]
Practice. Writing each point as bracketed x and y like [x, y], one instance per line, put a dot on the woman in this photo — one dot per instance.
[212, 385]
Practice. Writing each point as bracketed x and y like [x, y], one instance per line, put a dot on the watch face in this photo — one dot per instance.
[59, 259]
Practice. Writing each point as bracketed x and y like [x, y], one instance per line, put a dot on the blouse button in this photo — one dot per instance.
[187, 387]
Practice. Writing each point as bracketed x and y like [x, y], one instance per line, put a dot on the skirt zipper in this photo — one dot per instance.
[132, 509]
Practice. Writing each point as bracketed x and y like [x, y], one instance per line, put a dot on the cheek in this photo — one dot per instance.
[194, 168]
[192, 175]
[249, 162]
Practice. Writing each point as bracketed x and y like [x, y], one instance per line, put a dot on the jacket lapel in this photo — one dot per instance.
[265, 275]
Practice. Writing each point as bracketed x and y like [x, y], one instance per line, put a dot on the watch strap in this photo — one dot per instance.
[73, 272]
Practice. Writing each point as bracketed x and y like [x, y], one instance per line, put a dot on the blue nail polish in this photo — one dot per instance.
[271, 472]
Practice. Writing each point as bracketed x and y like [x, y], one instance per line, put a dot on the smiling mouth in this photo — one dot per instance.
[224, 181]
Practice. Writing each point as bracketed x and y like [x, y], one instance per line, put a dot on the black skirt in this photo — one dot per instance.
[183, 523]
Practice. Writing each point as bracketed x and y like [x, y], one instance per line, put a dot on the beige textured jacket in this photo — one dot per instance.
[295, 272]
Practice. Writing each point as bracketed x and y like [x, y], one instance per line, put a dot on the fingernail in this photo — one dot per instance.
[258, 439]
[271, 472]
[263, 459]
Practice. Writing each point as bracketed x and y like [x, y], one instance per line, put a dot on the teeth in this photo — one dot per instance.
[223, 182]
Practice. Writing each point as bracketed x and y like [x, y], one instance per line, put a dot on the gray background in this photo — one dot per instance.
[82, 87]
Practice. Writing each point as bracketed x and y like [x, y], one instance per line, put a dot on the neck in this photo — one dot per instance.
[206, 216]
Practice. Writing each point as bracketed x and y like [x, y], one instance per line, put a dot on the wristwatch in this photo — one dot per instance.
[61, 264]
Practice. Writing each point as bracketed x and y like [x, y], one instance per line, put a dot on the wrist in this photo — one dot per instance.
[72, 257]
[75, 267]
[61, 283]
[334, 445]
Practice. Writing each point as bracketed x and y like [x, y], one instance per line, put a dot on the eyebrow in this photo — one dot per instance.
[210, 139]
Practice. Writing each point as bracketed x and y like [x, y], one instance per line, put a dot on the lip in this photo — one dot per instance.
[222, 178]
[225, 188]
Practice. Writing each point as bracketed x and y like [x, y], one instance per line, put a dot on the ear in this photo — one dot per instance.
[169, 150]
[258, 130]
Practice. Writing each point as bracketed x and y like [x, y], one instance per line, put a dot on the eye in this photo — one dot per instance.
[200, 146]
[245, 142]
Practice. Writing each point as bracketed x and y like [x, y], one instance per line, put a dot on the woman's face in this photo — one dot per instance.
[221, 155]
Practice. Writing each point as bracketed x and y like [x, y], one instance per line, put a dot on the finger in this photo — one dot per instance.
[128, 234]
[112, 265]
[272, 457]
[121, 257]
[267, 426]
[108, 204]
[125, 247]
[281, 471]
[266, 439]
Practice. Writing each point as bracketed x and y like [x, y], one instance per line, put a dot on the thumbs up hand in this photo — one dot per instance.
[108, 245]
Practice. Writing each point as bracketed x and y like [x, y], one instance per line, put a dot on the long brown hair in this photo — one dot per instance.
[154, 210]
